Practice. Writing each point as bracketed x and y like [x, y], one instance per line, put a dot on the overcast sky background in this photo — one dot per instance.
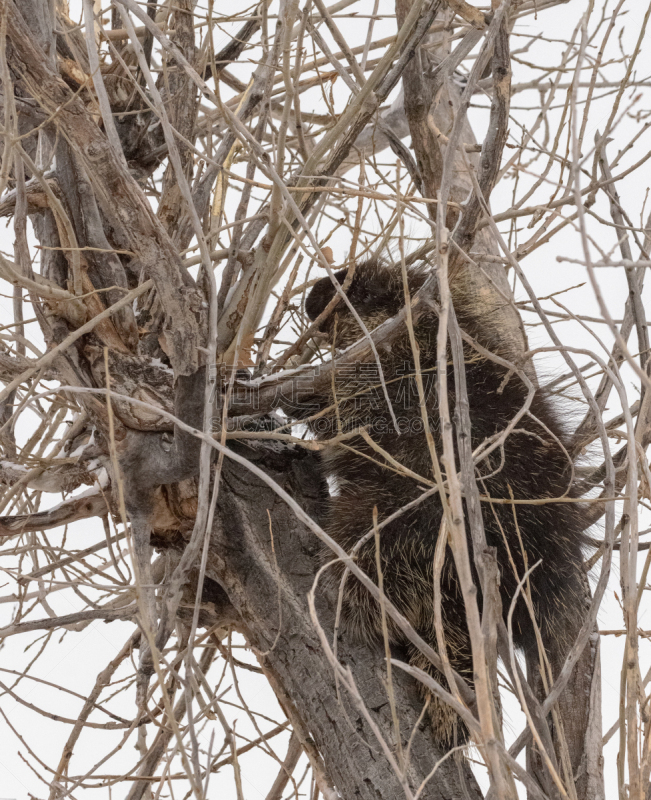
[75, 660]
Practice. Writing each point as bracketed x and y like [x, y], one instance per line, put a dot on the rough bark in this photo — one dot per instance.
[117, 193]
[269, 591]
[181, 95]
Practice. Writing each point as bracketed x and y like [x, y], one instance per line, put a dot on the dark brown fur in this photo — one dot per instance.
[534, 465]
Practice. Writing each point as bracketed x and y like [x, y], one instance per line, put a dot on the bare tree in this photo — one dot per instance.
[184, 176]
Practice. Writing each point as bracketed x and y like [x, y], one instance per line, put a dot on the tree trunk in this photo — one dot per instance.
[269, 588]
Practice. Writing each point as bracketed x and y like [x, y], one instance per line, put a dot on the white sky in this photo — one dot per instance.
[75, 661]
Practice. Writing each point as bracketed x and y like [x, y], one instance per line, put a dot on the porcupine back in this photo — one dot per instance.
[532, 464]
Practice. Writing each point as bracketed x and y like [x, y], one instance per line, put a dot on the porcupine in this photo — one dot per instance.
[532, 463]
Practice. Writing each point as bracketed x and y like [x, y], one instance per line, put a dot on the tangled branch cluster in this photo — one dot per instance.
[175, 179]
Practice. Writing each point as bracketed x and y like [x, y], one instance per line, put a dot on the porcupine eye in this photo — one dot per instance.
[366, 297]
[360, 296]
